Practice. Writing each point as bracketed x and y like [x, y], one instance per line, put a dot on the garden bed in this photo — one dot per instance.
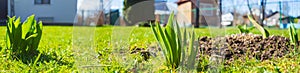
[242, 46]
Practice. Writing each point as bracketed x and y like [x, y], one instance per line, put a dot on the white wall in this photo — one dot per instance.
[8, 7]
[63, 11]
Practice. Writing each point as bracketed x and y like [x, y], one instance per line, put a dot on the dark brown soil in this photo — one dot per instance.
[144, 53]
[244, 46]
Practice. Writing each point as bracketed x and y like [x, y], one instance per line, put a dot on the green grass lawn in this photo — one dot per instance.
[69, 49]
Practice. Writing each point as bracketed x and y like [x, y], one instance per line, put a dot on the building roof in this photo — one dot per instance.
[298, 17]
[182, 2]
[288, 17]
[161, 8]
[160, 1]
[272, 14]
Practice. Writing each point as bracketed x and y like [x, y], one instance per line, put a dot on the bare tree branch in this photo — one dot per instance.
[251, 13]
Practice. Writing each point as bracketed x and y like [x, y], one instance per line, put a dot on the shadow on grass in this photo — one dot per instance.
[31, 57]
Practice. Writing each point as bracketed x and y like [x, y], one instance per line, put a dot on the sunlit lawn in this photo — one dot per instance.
[64, 43]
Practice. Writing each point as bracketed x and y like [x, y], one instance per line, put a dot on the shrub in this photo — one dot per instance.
[22, 40]
[173, 45]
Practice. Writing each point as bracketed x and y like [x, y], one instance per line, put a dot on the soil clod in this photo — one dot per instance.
[244, 46]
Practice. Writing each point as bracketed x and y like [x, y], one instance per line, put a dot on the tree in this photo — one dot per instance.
[135, 11]
[263, 8]
[220, 12]
[234, 7]
[250, 9]
[128, 3]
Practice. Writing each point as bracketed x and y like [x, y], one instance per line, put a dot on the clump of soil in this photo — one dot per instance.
[142, 51]
[245, 46]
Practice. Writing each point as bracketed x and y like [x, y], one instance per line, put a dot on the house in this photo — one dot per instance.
[227, 19]
[256, 12]
[288, 20]
[113, 17]
[273, 19]
[247, 21]
[49, 11]
[92, 13]
[187, 12]
[297, 20]
[162, 12]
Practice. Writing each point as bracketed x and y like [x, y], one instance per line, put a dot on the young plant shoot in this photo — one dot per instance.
[262, 30]
[173, 44]
[22, 40]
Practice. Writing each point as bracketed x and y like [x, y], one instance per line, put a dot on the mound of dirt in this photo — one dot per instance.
[144, 53]
[244, 46]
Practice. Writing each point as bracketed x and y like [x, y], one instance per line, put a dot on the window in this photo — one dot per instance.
[46, 19]
[206, 9]
[41, 1]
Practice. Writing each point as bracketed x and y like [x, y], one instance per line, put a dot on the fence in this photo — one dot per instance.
[276, 13]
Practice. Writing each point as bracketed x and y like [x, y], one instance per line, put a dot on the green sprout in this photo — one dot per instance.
[293, 35]
[22, 40]
[173, 44]
[262, 30]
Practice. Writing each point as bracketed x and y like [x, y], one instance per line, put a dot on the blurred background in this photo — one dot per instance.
[198, 13]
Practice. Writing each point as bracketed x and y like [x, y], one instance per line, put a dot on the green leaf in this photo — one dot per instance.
[8, 43]
[36, 41]
[162, 41]
[179, 44]
[184, 45]
[17, 31]
[23, 39]
[242, 30]
[9, 34]
[251, 28]
[171, 37]
[173, 43]
[31, 36]
[293, 34]
[192, 52]
[259, 27]
[27, 26]
[10, 23]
